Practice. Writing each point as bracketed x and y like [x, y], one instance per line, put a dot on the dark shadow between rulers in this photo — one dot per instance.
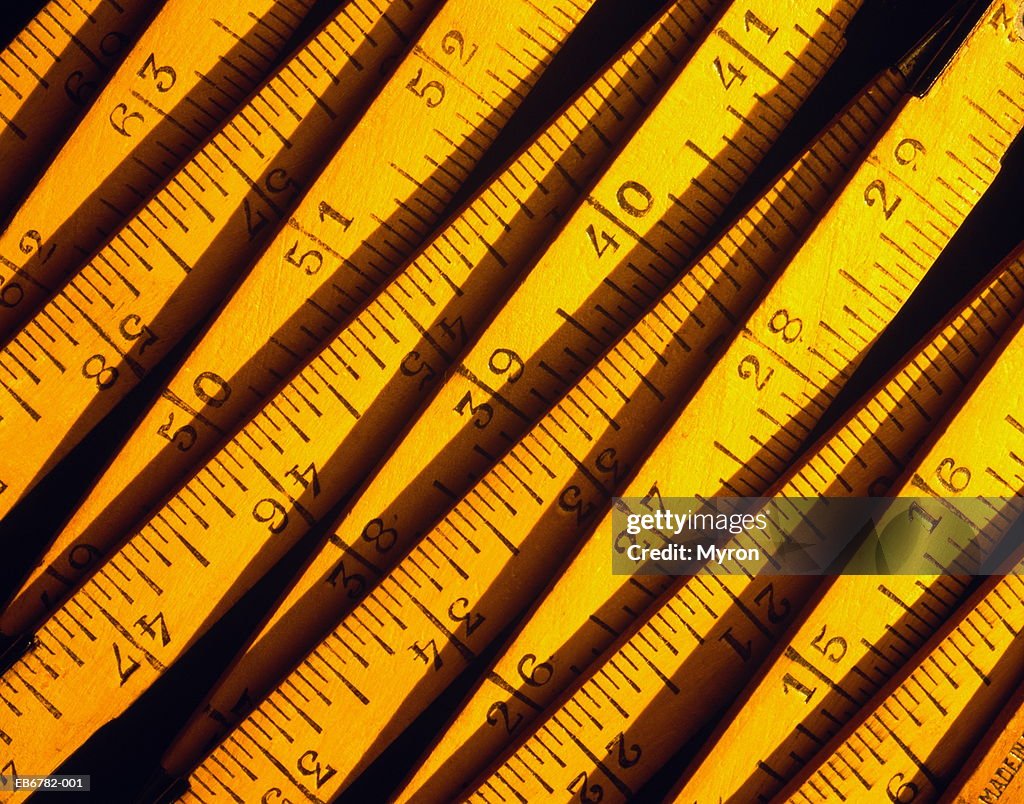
[138, 498]
[135, 723]
[118, 195]
[246, 229]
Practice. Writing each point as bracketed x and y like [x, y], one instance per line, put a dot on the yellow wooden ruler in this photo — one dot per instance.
[910, 742]
[95, 339]
[188, 71]
[551, 330]
[345, 238]
[49, 74]
[381, 626]
[549, 174]
[992, 773]
[468, 314]
[728, 278]
[634, 391]
[146, 605]
[340, 359]
[696, 648]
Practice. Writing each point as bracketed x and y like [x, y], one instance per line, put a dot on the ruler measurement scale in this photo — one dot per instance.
[439, 424]
[727, 280]
[426, 130]
[462, 274]
[992, 773]
[777, 418]
[616, 411]
[696, 649]
[47, 75]
[186, 73]
[172, 568]
[912, 740]
[551, 331]
[433, 557]
[82, 352]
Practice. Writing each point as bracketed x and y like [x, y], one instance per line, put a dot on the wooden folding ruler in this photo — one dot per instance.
[166, 267]
[188, 71]
[325, 590]
[172, 552]
[481, 546]
[386, 615]
[47, 75]
[483, 389]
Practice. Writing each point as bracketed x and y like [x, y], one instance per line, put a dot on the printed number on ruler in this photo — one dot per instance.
[186, 74]
[149, 602]
[49, 74]
[448, 288]
[84, 350]
[344, 239]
